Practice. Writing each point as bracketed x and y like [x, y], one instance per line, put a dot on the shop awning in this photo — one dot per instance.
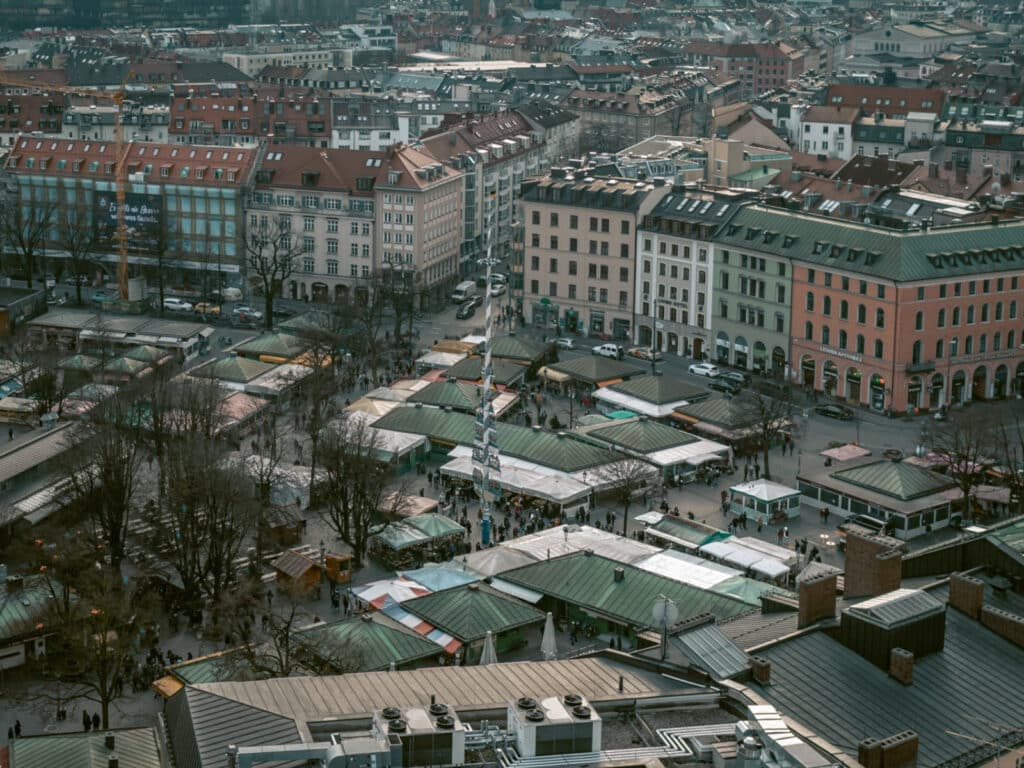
[515, 590]
[609, 382]
[555, 376]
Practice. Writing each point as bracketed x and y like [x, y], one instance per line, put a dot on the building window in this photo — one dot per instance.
[810, 276]
[860, 344]
[919, 321]
[332, 247]
[879, 319]
[534, 287]
[780, 294]
[554, 243]
[970, 315]
[879, 349]
[574, 222]
[553, 266]
[354, 229]
[826, 306]
[969, 345]
[553, 218]
[810, 302]
[942, 318]
[999, 310]
[572, 267]
[825, 337]
[307, 265]
[844, 309]
[552, 289]
[332, 267]
[956, 316]
[535, 218]
[332, 225]
[308, 223]
[308, 245]
[938, 349]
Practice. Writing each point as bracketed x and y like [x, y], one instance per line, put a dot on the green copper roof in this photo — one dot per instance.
[471, 369]
[588, 581]
[563, 452]
[459, 395]
[375, 640]
[1011, 537]
[516, 348]
[659, 389]
[276, 344]
[468, 613]
[730, 414]
[134, 747]
[942, 251]
[895, 478]
[642, 436]
[234, 369]
[595, 368]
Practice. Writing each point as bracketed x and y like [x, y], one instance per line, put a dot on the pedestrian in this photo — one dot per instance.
[758, 523]
[10, 433]
[86, 720]
[780, 535]
[746, 472]
[792, 447]
[95, 721]
[17, 729]
[757, 471]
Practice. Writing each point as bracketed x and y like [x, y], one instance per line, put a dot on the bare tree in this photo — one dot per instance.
[369, 309]
[78, 235]
[1009, 445]
[966, 444]
[356, 503]
[766, 420]
[628, 480]
[41, 378]
[106, 455]
[271, 251]
[24, 228]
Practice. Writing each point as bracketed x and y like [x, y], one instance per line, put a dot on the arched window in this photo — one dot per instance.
[970, 314]
[842, 339]
[919, 321]
[809, 330]
[826, 306]
[997, 340]
[954, 347]
[862, 314]
[810, 301]
[938, 349]
[956, 316]
[982, 344]
[984, 313]
[860, 344]
[880, 318]
[915, 355]
[844, 310]
[942, 318]
[879, 349]
[824, 334]
[969, 345]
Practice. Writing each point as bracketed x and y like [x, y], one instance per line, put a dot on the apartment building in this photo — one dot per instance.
[675, 286]
[229, 118]
[580, 251]
[97, 122]
[190, 201]
[29, 113]
[759, 67]
[495, 153]
[893, 319]
[326, 198]
[611, 121]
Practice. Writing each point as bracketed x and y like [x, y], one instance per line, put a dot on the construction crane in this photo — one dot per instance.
[117, 98]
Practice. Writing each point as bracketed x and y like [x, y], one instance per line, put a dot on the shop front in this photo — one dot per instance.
[877, 390]
[853, 377]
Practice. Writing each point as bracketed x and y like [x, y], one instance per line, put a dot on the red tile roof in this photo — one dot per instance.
[891, 101]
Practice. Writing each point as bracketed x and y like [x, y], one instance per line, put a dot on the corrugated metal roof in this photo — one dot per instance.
[134, 747]
[897, 607]
[473, 687]
[730, 414]
[21, 609]
[588, 581]
[292, 564]
[966, 687]
[595, 368]
[708, 648]
[375, 640]
[24, 456]
[239, 370]
[659, 389]
[895, 478]
[471, 369]
[276, 344]
[451, 394]
[468, 613]
[516, 348]
[642, 436]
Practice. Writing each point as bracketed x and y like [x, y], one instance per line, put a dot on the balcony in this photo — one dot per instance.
[923, 366]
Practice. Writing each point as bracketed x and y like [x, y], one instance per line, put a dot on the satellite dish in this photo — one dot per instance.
[664, 612]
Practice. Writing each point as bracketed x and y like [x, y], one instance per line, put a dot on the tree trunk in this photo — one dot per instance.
[268, 307]
[767, 475]
[625, 516]
[78, 291]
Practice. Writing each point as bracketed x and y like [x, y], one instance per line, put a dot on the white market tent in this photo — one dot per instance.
[494, 561]
[559, 489]
[566, 539]
[439, 360]
[687, 569]
[774, 551]
[734, 552]
[636, 405]
[695, 454]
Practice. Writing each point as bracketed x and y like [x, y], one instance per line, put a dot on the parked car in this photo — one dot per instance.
[466, 310]
[174, 304]
[613, 351]
[101, 297]
[722, 384]
[498, 289]
[704, 369]
[645, 353]
[565, 343]
[76, 280]
[739, 378]
[498, 277]
[834, 411]
[207, 308]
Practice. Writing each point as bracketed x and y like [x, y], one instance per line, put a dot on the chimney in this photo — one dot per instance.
[817, 599]
[901, 665]
[761, 669]
[112, 761]
[620, 574]
[232, 755]
[933, 170]
[1008, 626]
[966, 594]
[900, 750]
[869, 753]
[986, 171]
[873, 565]
[108, 741]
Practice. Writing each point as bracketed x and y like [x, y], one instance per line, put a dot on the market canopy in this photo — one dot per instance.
[554, 488]
[595, 369]
[469, 612]
[377, 592]
[419, 530]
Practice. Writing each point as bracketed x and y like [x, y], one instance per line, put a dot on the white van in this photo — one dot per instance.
[608, 350]
[463, 292]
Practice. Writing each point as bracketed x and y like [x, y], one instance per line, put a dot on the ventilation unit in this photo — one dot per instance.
[431, 736]
[554, 726]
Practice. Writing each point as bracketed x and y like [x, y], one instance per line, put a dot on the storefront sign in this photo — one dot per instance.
[843, 355]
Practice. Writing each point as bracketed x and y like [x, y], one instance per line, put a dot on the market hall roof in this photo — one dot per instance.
[596, 368]
[471, 369]
[641, 435]
[897, 479]
[468, 613]
[660, 389]
[592, 583]
[375, 640]
[566, 453]
[898, 255]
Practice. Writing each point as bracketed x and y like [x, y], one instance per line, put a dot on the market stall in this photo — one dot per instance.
[765, 501]
[422, 537]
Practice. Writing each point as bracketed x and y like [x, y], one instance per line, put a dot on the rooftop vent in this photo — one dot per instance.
[525, 702]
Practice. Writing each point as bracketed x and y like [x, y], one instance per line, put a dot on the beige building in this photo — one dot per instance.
[579, 254]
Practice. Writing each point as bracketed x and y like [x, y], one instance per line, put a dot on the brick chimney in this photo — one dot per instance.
[900, 750]
[966, 594]
[869, 753]
[874, 565]
[817, 599]
[1007, 625]
[761, 669]
[901, 665]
